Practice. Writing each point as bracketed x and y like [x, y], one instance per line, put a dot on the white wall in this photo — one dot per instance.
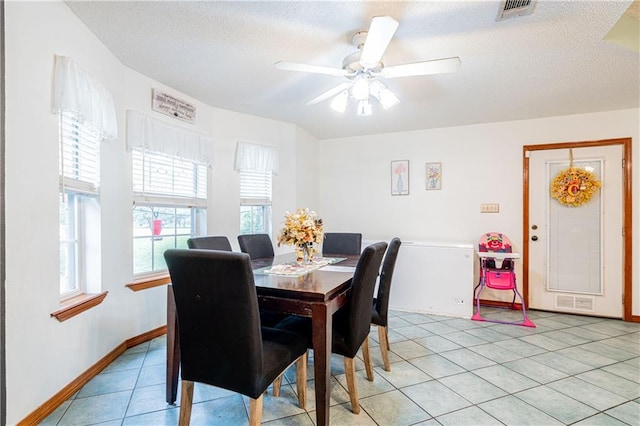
[44, 355]
[308, 170]
[480, 164]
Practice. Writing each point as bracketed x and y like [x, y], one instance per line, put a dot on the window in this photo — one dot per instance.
[256, 165]
[170, 201]
[255, 202]
[86, 115]
[78, 165]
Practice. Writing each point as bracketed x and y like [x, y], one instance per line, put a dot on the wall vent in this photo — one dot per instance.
[513, 8]
[585, 303]
[575, 303]
[565, 302]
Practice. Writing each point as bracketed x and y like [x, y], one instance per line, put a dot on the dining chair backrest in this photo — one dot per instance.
[353, 321]
[381, 302]
[341, 243]
[218, 318]
[210, 243]
[257, 246]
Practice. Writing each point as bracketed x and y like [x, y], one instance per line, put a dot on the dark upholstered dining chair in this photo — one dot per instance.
[380, 308]
[210, 243]
[341, 243]
[221, 339]
[257, 246]
[351, 323]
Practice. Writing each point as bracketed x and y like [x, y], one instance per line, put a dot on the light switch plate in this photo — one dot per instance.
[489, 208]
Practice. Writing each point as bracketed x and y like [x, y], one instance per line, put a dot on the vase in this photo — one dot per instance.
[305, 253]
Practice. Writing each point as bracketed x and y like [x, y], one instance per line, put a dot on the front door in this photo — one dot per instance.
[576, 252]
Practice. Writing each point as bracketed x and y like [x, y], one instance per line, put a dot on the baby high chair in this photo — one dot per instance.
[497, 271]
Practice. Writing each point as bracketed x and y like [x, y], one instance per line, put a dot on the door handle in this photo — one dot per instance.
[534, 238]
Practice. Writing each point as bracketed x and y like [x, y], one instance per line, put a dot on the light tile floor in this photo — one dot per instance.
[445, 371]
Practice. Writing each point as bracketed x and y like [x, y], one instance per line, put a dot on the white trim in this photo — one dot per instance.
[160, 201]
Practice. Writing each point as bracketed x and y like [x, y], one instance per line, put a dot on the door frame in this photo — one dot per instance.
[627, 289]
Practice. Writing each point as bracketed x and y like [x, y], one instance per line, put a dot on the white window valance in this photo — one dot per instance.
[77, 92]
[149, 134]
[254, 157]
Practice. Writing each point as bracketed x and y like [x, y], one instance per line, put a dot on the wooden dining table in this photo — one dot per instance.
[316, 294]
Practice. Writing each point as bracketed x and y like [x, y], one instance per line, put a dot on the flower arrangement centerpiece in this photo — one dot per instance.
[301, 229]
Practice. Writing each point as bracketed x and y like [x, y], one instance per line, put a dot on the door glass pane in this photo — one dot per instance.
[575, 238]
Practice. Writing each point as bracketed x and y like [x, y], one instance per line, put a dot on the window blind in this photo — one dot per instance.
[79, 159]
[255, 187]
[164, 179]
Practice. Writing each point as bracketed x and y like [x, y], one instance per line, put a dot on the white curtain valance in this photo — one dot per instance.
[149, 134]
[255, 157]
[77, 92]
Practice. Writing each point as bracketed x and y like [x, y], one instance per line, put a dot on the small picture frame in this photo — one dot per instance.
[400, 177]
[433, 174]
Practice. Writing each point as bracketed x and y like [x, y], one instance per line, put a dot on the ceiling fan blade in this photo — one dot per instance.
[329, 93]
[437, 66]
[315, 69]
[380, 32]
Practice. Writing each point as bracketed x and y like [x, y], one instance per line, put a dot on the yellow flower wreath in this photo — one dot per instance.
[574, 186]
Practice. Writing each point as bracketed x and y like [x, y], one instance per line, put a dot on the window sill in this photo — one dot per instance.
[77, 305]
[149, 282]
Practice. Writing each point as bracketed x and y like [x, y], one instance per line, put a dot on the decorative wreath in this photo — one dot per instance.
[574, 186]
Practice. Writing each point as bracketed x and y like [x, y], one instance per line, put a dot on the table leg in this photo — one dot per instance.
[322, 322]
[173, 348]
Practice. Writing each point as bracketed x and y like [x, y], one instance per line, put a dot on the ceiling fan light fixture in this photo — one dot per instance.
[385, 96]
[388, 99]
[364, 108]
[360, 88]
[339, 103]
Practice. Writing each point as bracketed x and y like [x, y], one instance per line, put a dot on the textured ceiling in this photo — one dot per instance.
[552, 62]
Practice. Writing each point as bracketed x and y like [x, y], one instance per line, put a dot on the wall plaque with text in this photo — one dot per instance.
[170, 105]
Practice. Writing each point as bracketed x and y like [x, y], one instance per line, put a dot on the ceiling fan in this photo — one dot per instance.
[364, 68]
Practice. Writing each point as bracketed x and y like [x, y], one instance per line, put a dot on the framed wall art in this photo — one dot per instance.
[434, 175]
[400, 177]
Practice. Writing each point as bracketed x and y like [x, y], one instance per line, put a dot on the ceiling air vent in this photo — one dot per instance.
[512, 8]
